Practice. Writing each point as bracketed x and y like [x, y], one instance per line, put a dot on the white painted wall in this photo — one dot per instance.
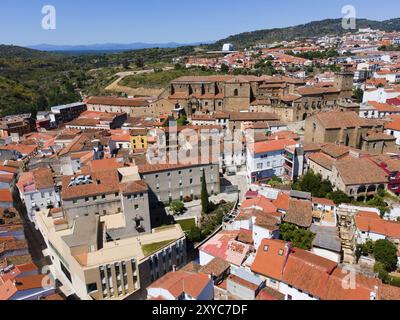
[379, 95]
[156, 292]
[395, 134]
[40, 198]
[294, 293]
[205, 258]
[260, 233]
[363, 237]
[330, 255]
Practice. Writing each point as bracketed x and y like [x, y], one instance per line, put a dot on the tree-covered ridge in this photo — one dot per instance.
[312, 29]
[20, 52]
[32, 80]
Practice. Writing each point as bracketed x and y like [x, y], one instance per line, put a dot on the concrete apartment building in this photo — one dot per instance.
[66, 113]
[281, 158]
[109, 192]
[94, 268]
[16, 125]
[101, 243]
[98, 121]
[169, 182]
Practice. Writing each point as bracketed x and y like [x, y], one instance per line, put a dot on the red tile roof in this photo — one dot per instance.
[8, 169]
[299, 213]
[323, 201]
[117, 102]
[5, 195]
[260, 202]
[282, 202]
[310, 273]
[271, 146]
[179, 282]
[223, 245]
[372, 222]
[383, 107]
[271, 259]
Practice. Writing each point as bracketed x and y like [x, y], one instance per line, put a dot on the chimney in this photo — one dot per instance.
[374, 294]
[288, 248]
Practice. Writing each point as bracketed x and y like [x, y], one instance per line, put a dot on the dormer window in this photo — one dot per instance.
[266, 248]
[281, 252]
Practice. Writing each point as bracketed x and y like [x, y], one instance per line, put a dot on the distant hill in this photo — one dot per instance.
[10, 52]
[312, 29]
[111, 47]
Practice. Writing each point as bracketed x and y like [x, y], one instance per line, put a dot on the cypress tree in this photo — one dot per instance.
[205, 203]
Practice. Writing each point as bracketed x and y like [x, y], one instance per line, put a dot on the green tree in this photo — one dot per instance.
[224, 68]
[181, 121]
[368, 248]
[178, 66]
[139, 62]
[299, 237]
[205, 201]
[358, 94]
[194, 234]
[380, 269]
[314, 184]
[125, 64]
[177, 207]
[365, 249]
[339, 197]
[385, 252]
[380, 203]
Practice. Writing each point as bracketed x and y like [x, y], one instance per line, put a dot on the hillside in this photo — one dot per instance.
[31, 80]
[312, 29]
[7, 52]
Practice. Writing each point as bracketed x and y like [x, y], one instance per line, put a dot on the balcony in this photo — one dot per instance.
[288, 157]
[288, 168]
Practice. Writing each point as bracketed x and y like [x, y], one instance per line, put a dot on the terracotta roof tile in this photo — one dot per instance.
[299, 213]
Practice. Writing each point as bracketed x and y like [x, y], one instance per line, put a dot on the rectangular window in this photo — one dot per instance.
[134, 274]
[91, 287]
[66, 272]
[103, 282]
[119, 279]
[125, 276]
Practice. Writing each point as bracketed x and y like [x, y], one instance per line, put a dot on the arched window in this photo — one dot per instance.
[362, 189]
[236, 92]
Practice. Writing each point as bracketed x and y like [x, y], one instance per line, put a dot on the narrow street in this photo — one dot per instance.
[35, 240]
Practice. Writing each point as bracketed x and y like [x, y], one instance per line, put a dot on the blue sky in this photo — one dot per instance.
[159, 21]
